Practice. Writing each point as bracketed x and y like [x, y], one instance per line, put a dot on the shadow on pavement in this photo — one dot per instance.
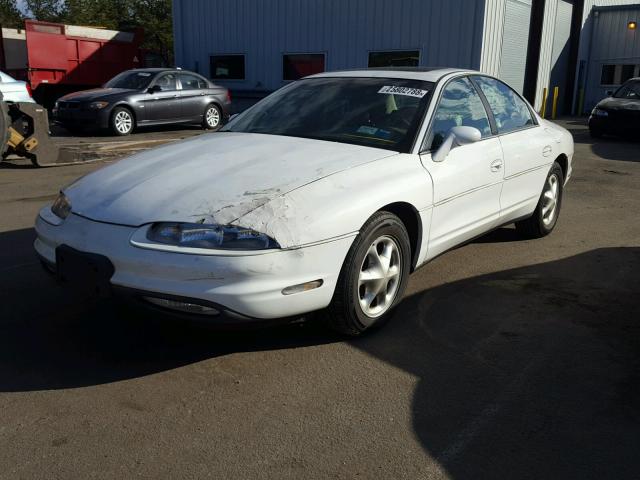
[60, 131]
[525, 373]
[608, 147]
[49, 339]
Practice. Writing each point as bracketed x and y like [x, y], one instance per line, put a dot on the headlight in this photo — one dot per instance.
[196, 235]
[61, 206]
[98, 105]
[599, 112]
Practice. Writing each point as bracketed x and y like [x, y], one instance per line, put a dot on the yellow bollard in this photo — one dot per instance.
[543, 110]
[554, 111]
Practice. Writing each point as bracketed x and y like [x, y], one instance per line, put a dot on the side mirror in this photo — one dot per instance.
[458, 136]
[609, 93]
[154, 89]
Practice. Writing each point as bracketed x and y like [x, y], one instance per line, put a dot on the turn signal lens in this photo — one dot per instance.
[182, 306]
[98, 105]
[302, 287]
[61, 206]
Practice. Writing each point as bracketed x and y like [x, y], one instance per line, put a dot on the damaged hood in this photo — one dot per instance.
[217, 177]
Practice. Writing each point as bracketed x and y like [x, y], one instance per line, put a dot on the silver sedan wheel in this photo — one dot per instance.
[379, 277]
[213, 117]
[123, 121]
[550, 199]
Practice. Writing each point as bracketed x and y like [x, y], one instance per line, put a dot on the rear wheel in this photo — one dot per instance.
[212, 119]
[545, 216]
[122, 122]
[373, 277]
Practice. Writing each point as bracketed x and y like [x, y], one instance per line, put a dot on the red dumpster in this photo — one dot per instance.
[56, 59]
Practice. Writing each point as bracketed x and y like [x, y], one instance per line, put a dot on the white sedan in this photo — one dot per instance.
[325, 195]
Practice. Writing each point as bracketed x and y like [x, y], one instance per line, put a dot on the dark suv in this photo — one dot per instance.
[151, 96]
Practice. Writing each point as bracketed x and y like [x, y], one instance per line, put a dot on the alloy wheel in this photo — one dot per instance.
[123, 121]
[379, 277]
[550, 200]
[213, 117]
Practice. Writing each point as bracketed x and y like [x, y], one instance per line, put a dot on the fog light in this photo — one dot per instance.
[302, 287]
[182, 306]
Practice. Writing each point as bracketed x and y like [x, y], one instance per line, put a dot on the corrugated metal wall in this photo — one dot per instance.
[585, 39]
[548, 34]
[447, 33]
[612, 43]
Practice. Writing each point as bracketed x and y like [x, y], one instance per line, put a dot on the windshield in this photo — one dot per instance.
[130, 80]
[374, 112]
[629, 90]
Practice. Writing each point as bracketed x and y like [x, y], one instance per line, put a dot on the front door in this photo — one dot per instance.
[467, 184]
[164, 104]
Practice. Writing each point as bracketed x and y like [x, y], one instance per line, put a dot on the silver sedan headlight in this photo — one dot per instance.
[61, 206]
[196, 235]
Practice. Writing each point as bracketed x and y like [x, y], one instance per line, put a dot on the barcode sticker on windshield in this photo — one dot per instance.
[409, 92]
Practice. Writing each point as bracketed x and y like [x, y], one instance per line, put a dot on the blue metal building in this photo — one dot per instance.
[259, 45]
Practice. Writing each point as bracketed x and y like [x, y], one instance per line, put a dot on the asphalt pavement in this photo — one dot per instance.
[506, 359]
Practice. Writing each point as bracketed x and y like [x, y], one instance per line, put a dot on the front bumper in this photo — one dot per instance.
[249, 285]
[82, 118]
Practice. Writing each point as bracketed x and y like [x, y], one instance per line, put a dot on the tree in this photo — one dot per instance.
[155, 17]
[46, 10]
[10, 16]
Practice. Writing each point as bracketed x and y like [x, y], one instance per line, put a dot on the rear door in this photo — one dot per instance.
[529, 149]
[192, 96]
[467, 184]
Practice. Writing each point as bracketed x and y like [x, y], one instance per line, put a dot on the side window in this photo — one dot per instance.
[189, 82]
[167, 81]
[460, 105]
[510, 111]
[633, 90]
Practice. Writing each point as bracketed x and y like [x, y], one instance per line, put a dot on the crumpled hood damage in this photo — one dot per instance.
[217, 177]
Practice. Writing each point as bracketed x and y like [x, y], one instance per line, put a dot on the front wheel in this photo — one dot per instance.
[212, 118]
[373, 277]
[121, 121]
[545, 216]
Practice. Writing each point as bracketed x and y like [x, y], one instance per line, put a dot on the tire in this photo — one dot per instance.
[383, 236]
[544, 218]
[212, 117]
[122, 121]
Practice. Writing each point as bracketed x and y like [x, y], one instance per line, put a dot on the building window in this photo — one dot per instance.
[628, 71]
[227, 67]
[608, 75]
[295, 66]
[397, 58]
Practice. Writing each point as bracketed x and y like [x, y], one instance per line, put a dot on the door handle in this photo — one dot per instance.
[176, 96]
[547, 150]
[496, 165]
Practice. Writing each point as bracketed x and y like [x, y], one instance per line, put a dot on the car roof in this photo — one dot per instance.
[160, 69]
[428, 74]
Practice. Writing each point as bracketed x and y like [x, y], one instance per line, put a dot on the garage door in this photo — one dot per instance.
[514, 42]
